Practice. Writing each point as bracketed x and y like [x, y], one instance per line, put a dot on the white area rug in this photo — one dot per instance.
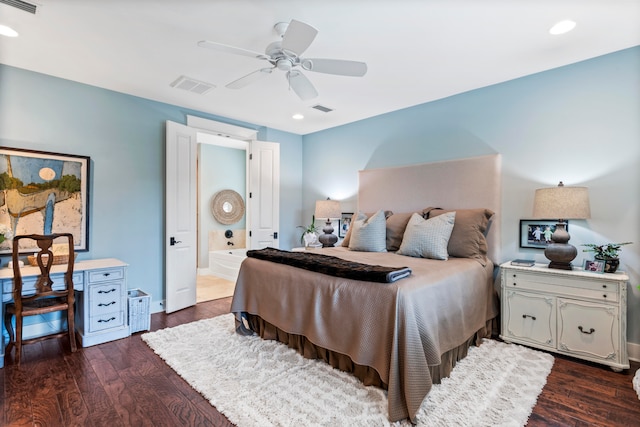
[264, 383]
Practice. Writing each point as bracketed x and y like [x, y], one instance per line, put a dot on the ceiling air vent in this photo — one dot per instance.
[322, 108]
[22, 5]
[192, 85]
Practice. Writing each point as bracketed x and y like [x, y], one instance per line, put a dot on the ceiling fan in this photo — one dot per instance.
[286, 54]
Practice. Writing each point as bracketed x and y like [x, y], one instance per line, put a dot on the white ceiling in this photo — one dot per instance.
[416, 50]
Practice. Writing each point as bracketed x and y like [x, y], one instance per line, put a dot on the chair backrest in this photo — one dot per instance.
[45, 261]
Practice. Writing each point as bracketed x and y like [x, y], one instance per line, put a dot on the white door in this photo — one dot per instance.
[181, 217]
[264, 194]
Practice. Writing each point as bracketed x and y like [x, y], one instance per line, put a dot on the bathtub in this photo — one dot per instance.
[226, 263]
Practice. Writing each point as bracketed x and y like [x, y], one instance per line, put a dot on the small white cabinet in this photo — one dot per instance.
[573, 312]
[101, 309]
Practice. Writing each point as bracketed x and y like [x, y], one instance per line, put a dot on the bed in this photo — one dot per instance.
[405, 335]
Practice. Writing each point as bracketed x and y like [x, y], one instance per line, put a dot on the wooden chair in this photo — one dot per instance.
[45, 299]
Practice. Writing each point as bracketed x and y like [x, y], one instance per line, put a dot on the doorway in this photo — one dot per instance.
[181, 204]
[222, 167]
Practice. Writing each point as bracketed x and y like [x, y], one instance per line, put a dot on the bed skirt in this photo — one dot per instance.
[366, 374]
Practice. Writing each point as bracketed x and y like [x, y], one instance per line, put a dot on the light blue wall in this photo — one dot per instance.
[579, 124]
[125, 138]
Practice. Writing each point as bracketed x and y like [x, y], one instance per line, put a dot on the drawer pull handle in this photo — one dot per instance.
[515, 284]
[107, 292]
[604, 295]
[524, 316]
[591, 330]
[107, 304]
[108, 320]
[604, 286]
[106, 274]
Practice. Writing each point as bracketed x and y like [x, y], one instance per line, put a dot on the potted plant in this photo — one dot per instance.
[608, 253]
[310, 234]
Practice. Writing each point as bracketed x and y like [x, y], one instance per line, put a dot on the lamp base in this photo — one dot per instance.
[560, 252]
[560, 265]
[328, 239]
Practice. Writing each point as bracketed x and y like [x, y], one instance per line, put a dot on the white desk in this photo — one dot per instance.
[101, 298]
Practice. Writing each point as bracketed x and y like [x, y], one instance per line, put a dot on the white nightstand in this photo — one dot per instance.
[572, 312]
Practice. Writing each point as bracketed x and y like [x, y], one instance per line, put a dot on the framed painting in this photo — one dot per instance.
[536, 233]
[344, 224]
[43, 193]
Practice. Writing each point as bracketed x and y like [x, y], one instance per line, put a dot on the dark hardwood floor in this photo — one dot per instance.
[123, 383]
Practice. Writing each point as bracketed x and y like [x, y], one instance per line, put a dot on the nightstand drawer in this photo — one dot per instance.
[570, 286]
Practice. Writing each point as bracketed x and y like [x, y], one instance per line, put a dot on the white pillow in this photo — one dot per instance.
[369, 234]
[427, 238]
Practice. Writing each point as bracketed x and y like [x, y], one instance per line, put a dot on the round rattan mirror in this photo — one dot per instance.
[227, 207]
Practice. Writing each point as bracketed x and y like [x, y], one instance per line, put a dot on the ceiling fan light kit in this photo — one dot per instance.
[285, 54]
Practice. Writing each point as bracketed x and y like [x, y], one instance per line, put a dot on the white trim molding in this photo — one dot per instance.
[222, 129]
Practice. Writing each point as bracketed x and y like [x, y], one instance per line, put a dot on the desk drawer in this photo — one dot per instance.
[104, 275]
[29, 284]
[106, 302]
[105, 293]
[106, 321]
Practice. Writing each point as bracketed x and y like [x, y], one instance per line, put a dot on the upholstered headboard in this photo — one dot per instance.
[453, 184]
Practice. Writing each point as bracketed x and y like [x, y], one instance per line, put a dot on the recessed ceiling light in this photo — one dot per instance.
[297, 116]
[562, 27]
[8, 31]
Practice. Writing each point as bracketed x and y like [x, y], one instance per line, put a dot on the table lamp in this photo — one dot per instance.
[563, 203]
[329, 209]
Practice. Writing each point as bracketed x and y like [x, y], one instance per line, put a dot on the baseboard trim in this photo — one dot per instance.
[634, 351]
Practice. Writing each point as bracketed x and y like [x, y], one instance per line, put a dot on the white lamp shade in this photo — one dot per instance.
[328, 209]
[562, 203]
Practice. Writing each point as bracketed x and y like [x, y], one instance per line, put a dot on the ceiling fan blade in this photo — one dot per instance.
[301, 85]
[249, 78]
[335, 66]
[298, 37]
[231, 49]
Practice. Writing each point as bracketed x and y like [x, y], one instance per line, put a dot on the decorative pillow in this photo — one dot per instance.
[369, 234]
[396, 224]
[468, 235]
[347, 238]
[427, 238]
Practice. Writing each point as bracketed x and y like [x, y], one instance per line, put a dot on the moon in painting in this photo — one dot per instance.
[47, 174]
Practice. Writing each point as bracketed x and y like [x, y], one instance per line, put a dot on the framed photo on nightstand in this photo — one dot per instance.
[593, 266]
[344, 224]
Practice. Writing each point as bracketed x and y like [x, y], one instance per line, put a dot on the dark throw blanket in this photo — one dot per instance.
[332, 266]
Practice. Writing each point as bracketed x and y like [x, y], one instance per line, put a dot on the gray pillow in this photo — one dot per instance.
[427, 238]
[468, 236]
[369, 234]
[347, 238]
[396, 224]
